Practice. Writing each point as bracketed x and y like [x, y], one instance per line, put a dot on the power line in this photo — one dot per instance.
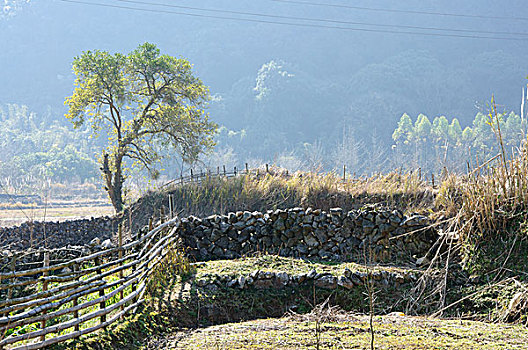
[446, 14]
[292, 24]
[322, 19]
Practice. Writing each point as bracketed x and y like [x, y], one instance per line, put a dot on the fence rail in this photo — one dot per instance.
[55, 302]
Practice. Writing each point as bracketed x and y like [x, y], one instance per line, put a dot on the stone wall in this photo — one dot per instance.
[57, 234]
[268, 279]
[381, 233]
[384, 234]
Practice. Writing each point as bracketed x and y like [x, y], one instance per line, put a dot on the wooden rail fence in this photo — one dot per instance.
[57, 302]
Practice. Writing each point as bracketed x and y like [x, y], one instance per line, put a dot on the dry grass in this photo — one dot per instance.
[16, 216]
[348, 331]
[490, 204]
[278, 189]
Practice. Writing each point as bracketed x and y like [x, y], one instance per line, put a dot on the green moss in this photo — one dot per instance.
[292, 266]
[352, 332]
[127, 335]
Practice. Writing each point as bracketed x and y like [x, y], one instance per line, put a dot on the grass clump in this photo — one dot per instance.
[349, 331]
[490, 206]
[280, 190]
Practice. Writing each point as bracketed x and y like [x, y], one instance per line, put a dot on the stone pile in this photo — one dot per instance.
[374, 233]
[279, 279]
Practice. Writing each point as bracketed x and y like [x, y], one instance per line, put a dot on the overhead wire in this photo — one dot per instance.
[377, 9]
[320, 19]
[312, 25]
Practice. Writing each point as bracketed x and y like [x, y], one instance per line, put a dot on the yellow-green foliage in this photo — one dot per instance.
[292, 266]
[173, 265]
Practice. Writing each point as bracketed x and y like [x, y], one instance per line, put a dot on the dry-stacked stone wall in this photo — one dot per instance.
[57, 234]
[379, 233]
[22, 247]
[373, 233]
[269, 279]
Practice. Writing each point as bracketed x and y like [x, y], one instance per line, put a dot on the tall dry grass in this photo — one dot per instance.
[490, 203]
[279, 189]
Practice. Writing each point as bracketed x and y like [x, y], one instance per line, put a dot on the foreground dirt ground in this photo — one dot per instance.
[347, 331]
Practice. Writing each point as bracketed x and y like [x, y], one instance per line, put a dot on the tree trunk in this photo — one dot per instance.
[114, 181]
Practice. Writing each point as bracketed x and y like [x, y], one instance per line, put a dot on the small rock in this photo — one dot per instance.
[107, 244]
[422, 261]
[283, 278]
[241, 282]
[345, 282]
[326, 281]
[202, 282]
[232, 282]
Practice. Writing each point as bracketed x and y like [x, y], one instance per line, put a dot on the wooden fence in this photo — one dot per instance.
[56, 302]
[198, 176]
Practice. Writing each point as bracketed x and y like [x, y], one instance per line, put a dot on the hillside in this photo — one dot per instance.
[284, 93]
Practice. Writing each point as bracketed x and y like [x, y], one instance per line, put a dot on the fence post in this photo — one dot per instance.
[432, 179]
[217, 170]
[267, 169]
[247, 169]
[130, 222]
[162, 214]
[191, 175]
[171, 206]
[419, 173]
[181, 179]
[235, 171]
[76, 269]
[44, 289]
[344, 173]
[120, 254]
[12, 269]
[224, 171]
[151, 224]
[102, 304]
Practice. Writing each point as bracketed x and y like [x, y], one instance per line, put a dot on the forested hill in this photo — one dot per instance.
[280, 89]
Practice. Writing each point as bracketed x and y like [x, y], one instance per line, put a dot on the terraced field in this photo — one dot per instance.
[213, 294]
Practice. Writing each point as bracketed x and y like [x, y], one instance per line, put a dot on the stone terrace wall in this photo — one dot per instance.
[57, 234]
[296, 232]
[299, 232]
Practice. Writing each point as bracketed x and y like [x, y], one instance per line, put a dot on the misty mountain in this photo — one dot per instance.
[277, 87]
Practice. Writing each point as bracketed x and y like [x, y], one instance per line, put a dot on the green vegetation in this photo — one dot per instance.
[441, 143]
[37, 147]
[151, 105]
[345, 331]
[289, 265]
[489, 207]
